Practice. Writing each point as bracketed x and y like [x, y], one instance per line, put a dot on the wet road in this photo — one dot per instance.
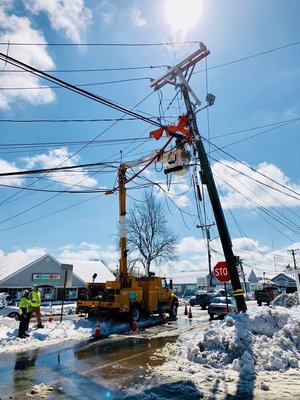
[90, 370]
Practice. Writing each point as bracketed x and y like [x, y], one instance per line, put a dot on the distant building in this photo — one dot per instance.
[287, 283]
[52, 276]
[253, 282]
[185, 283]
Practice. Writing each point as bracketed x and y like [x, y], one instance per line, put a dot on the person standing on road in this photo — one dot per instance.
[35, 297]
[25, 307]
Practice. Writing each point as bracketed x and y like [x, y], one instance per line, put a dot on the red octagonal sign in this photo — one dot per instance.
[221, 272]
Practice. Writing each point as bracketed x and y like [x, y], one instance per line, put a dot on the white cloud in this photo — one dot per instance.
[107, 12]
[135, 15]
[78, 179]
[9, 180]
[191, 244]
[19, 29]
[68, 16]
[245, 192]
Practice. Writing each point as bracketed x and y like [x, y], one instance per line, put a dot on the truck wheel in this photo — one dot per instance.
[173, 310]
[135, 313]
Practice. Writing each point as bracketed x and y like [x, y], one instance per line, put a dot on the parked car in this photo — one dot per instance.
[192, 301]
[220, 306]
[202, 299]
[9, 311]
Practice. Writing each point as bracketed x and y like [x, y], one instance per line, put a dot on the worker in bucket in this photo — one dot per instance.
[35, 297]
[25, 314]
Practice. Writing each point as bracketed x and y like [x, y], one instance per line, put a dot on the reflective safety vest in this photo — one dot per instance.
[25, 303]
[35, 297]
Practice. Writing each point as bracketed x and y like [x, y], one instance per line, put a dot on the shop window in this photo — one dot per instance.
[71, 294]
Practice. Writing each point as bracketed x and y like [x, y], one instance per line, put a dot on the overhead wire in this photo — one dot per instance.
[262, 209]
[253, 169]
[96, 69]
[102, 44]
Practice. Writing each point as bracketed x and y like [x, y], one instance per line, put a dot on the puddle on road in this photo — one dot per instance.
[91, 370]
[96, 370]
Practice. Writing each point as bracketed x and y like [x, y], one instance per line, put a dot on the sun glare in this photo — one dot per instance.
[182, 15]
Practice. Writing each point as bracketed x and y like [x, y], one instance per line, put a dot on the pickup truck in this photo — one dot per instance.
[266, 295]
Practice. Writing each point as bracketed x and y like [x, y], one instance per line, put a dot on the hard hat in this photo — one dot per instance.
[25, 292]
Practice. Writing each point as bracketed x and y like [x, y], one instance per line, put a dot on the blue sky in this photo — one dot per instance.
[253, 70]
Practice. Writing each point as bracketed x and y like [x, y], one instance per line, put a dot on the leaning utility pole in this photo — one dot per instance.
[173, 76]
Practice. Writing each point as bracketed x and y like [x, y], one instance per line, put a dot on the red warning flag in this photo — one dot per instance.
[181, 126]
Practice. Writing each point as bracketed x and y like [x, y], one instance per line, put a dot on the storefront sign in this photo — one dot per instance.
[45, 277]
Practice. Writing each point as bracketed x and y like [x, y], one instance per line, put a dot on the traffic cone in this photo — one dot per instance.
[50, 319]
[185, 309]
[134, 326]
[97, 332]
[164, 319]
[190, 313]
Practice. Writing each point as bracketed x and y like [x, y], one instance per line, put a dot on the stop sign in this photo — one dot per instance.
[221, 272]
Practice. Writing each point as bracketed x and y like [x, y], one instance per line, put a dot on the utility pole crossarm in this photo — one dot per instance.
[191, 60]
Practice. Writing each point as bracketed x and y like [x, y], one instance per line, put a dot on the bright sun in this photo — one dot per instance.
[182, 15]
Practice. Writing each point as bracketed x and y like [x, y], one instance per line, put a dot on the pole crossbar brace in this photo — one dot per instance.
[171, 75]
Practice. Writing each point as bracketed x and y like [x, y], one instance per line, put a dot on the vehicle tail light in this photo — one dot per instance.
[228, 309]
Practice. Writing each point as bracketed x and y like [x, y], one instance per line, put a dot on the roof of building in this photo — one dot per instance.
[283, 278]
[252, 278]
[16, 266]
[83, 269]
[186, 277]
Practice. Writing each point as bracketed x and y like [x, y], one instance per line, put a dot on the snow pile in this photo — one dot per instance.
[39, 391]
[4, 299]
[261, 340]
[286, 300]
[52, 333]
[69, 329]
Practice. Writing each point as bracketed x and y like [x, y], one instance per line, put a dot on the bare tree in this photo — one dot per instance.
[148, 238]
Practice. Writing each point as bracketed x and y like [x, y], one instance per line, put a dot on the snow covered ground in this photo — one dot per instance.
[255, 355]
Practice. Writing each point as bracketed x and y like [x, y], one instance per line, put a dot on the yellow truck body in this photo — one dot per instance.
[142, 296]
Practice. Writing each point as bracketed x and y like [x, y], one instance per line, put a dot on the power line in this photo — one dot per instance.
[75, 89]
[100, 44]
[254, 128]
[76, 120]
[251, 56]
[77, 84]
[93, 69]
[253, 169]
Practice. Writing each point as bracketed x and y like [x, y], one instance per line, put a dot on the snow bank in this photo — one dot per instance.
[286, 300]
[268, 339]
[52, 333]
